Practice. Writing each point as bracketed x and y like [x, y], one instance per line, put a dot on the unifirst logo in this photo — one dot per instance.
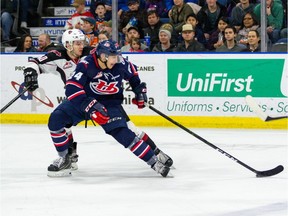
[213, 81]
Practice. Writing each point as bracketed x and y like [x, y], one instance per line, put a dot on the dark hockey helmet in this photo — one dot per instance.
[108, 47]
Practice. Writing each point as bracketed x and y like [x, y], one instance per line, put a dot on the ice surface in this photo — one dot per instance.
[112, 181]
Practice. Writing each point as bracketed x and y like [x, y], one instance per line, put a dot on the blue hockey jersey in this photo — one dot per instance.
[105, 85]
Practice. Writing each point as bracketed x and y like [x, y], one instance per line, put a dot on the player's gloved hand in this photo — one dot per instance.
[140, 96]
[96, 110]
[30, 79]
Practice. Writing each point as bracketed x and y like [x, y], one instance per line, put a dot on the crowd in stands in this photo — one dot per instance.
[161, 25]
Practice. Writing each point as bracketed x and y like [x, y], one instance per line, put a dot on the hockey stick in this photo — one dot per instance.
[14, 99]
[265, 173]
[259, 112]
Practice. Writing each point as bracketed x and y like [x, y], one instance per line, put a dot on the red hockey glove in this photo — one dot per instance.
[96, 110]
[140, 96]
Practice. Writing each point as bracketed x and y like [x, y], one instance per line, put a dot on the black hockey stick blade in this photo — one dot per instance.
[266, 173]
[271, 172]
[14, 99]
[259, 112]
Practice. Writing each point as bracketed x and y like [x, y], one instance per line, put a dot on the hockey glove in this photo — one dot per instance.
[96, 111]
[140, 96]
[30, 79]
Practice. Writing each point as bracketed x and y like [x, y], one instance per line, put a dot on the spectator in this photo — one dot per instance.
[7, 8]
[103, 35]
[189, 44]
[216, 38]
[24, 7]
[164, 44]
[249, 23]
[239, 11]
[107, 5]
[101, 17]
[253, 41]
[199, 35]
[44, 43]
[25, 44]
[275, 15]
[154, 25]
[209, 15]
[135, 45]
[135, 16]
[88, 28]
[230, 44]
[75, 20]
[156, 5]
[132, 32]
[178, 14]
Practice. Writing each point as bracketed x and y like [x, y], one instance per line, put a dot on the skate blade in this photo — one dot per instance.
[62, 173]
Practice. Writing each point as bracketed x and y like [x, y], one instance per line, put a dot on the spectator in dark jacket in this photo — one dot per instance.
[209, 15]
[135, 16]
[164, 44]
[189, 44]
[154, 25]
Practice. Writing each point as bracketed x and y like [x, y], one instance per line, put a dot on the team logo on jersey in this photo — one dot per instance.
[68, 65]
[103, 88]
[43, 58]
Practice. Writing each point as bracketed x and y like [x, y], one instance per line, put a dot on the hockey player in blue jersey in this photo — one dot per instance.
[62, 62]
[95, 92]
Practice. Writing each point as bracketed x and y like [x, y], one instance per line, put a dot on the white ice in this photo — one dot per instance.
[112, 181]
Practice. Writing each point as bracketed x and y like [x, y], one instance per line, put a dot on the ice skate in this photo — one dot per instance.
[161, 168]
[74, 156]
[164, 159]
[60, 167]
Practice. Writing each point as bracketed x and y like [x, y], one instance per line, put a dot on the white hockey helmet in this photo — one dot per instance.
[71, 35]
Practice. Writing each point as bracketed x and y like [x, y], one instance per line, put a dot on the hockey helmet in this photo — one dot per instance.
[108, 47]
[71, 35]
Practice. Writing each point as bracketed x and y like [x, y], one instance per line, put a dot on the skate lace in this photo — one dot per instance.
[158, 166]
[58, 162]
[162, 157]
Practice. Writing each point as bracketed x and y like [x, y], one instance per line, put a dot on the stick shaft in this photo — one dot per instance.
[14, 99]
[202, 139]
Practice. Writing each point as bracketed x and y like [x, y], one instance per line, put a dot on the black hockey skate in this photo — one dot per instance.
[161, 168]
[60, 167]
[164, 159]
[74, 156]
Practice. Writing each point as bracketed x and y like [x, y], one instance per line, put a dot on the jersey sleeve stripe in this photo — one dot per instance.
[76, 94]
[133, 69]
[74, 84]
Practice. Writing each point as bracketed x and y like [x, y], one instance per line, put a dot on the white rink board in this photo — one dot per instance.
[153, 70]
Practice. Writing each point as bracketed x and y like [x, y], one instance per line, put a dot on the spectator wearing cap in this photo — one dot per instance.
[132, 32]
[178, 14]
[75, 20]
[154, 24]
[156, 5]
[164, 44]
[189, 43]
[88, 28]
[199, 35]
[135, 16]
